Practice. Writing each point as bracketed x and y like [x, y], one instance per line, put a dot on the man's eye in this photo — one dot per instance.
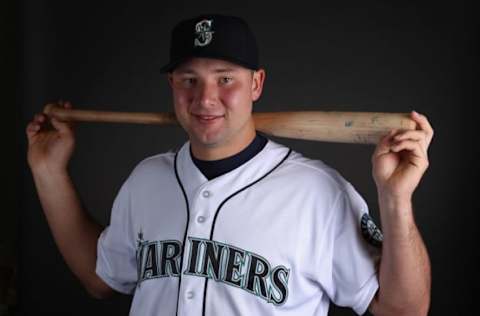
[188, 81]
[225, 80]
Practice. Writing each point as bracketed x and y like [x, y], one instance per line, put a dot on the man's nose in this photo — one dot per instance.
[207, 94]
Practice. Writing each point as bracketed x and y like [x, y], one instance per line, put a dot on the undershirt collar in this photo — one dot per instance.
[215, 168]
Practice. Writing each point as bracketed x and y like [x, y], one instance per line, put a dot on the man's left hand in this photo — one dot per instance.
[401, 158]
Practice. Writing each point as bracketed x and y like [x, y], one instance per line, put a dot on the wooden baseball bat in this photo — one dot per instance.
[327, 126]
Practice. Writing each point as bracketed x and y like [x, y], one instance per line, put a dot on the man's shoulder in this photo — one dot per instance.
[165, 158]
[154, 164]
[313, 171]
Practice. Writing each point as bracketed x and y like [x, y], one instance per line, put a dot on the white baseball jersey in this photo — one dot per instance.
[279, 235]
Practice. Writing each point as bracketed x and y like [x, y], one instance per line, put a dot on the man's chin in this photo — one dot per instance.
[209, 141]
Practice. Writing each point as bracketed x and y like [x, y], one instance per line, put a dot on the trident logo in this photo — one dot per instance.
[204, 33]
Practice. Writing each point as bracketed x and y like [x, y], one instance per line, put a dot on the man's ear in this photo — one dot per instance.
[170, 79]
[257, 83]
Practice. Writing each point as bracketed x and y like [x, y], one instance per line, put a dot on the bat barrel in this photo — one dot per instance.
[330, 126]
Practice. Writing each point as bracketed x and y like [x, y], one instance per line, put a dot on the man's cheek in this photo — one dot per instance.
[233, 99]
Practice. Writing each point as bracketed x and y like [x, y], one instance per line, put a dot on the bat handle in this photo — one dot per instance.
[62, 114]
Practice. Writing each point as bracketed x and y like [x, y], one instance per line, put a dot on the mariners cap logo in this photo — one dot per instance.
[203, 32]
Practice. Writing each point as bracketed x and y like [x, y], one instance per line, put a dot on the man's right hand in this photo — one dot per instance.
[50, 147]
[50, 143]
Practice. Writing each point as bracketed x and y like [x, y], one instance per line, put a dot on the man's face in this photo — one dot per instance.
[213, 102]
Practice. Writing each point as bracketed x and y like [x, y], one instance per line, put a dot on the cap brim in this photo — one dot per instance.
[172, 65]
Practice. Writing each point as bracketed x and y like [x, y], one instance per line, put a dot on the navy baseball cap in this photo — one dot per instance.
[213, 36]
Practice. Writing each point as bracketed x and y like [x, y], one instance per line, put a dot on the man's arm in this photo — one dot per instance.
[50, 146]
[399, 163]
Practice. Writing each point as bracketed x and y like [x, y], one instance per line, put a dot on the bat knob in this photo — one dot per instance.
[49, 109]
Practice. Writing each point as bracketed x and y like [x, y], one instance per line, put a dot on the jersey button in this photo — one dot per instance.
[201, 219]
[190, 295]
[207, 194]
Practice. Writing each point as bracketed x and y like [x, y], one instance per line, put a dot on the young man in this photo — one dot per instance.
[233, 223]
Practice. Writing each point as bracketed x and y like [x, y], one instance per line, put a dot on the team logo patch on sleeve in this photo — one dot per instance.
[370, 231]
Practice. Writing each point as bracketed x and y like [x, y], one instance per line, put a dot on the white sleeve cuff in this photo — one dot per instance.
[366, 294]
[114, 273]
[112, 283]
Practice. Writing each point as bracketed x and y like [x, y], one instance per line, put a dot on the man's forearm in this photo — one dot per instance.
[75, 233]
[404, 275]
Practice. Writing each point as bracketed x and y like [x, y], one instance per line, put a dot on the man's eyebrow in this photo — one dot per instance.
[189, 71]
[220, 70]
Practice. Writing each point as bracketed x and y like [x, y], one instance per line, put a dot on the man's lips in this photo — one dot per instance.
[207, 118]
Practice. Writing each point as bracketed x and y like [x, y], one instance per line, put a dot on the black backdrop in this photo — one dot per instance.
[358, 56]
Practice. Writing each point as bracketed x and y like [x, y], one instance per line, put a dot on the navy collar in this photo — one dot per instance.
[215, 168]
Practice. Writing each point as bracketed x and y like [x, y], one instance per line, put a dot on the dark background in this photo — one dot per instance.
[356, 56]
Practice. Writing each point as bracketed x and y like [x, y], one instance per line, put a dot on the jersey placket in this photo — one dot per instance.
[191, 294]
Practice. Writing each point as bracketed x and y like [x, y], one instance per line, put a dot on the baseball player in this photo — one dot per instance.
[233, 223]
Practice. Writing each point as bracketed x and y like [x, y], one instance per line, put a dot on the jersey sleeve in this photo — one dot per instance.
[116, 258]
[354, 276]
